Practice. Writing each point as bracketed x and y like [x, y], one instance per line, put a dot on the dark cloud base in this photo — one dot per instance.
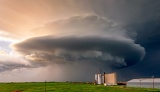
[113, 52]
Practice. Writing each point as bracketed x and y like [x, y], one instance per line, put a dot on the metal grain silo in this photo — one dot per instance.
[98, 78]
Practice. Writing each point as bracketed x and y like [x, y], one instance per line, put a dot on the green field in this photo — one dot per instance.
[66, 87]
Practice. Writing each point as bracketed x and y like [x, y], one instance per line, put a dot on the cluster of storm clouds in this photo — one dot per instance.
[88, 38]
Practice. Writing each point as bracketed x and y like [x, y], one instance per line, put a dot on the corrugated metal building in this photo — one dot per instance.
[144, 83]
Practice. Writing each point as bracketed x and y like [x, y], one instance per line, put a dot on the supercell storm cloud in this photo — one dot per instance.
[74, 38]
[93, 39]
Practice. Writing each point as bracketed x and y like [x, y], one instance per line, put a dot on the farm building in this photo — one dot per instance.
[110, 79]
[144, 83]
[99, 78]
[107, 79]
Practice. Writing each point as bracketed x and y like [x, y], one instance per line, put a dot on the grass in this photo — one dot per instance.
[67, 87]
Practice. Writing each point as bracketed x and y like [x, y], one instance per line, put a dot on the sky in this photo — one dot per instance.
[71, 40]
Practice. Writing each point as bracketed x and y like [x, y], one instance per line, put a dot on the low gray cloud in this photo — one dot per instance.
[67, 49]
[10, 62]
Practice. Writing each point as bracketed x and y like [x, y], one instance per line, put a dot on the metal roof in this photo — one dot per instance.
[145, 80]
